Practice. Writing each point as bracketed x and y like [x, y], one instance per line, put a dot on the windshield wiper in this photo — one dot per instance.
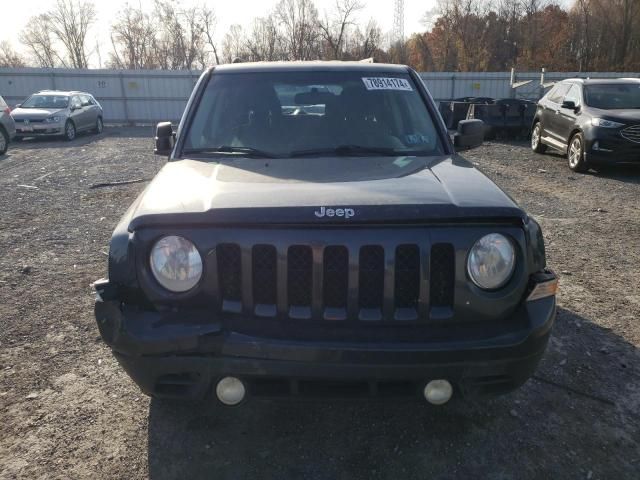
[347, 150]
[247, 151]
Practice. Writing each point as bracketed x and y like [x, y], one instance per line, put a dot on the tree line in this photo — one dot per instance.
[459, 35]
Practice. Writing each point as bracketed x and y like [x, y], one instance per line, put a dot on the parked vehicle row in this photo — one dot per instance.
[595, 122]
[50, 113]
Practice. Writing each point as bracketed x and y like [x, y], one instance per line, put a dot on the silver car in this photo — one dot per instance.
[7, 126]
[57, 113]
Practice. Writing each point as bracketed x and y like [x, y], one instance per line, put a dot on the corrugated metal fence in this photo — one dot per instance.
[149, 96]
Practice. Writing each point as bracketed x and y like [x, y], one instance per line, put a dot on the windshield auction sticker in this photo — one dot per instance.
[386, 83]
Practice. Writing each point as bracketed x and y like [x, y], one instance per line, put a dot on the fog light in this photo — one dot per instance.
[230, 391]
[598, 148]
[438, 392]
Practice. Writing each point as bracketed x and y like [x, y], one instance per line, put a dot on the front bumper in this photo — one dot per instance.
[39, 130]
[184, 354]
[607, 146]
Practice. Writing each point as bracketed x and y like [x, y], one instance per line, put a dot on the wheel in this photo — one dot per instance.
[69, 130]
[575, 154]
[536, 134]
[4, 142]
[99, 126]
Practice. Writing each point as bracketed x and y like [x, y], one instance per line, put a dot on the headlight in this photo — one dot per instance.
[176, 263]
[52, 119]
[491, 261]
[601, 122]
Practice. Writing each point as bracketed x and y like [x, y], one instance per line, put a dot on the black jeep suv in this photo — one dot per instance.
[595, 122]
[314, 232]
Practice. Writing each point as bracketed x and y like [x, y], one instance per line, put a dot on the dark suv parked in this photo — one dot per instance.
[313, 233]
[595, 122]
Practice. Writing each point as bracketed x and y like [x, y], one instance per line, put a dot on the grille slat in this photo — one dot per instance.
[335, 282]
[407, 279]
[442, 275]
[631, 133]
[229, 271]
[368, 283]
[264, 271]
[299, 281]
[229, 277]
[371, 277]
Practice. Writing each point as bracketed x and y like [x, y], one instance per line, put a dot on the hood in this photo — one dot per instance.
[35, 113]
[631, 115]
[343, 190]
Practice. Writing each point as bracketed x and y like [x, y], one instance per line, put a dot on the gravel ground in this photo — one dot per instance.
[68, 411]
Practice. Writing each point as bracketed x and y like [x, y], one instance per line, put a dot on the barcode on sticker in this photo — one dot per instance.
[386, 83]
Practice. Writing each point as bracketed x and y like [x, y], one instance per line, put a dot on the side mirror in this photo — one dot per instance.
[17, 105]
[470, 134]
[164, 139]
[569, 104]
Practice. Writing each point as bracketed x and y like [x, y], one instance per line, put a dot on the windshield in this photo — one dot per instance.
[46, 101]
[613, 96]
[302, 113]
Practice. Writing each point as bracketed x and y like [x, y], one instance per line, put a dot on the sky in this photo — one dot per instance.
[228, 12]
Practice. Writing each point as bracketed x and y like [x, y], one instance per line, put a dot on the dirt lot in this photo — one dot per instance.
[68, 411]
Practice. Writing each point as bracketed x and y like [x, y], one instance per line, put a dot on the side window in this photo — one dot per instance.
[75, 101]
[86, 100]
[574, 95]
[558, 93]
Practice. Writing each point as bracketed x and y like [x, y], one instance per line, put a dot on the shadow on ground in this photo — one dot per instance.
[83, 138]
[624, 173]
[579, 414]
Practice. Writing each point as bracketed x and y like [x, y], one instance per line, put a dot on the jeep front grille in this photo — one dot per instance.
[403, 282]
[631, 133]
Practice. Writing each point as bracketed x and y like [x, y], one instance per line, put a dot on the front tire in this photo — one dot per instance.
[99, 126]
[536, 139]
[4, 142]
[69, 131]
[575, 154]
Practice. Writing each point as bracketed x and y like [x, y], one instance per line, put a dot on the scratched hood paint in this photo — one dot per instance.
[291, 191]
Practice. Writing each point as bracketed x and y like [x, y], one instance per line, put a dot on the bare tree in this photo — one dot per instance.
[334, 27]
[38, 39]
[299, 21]
[208, 20]
[264, 42]
[133, 38]
[233, 44]
[182, 36]
[69, 22]
[9, 57]
[365, 43]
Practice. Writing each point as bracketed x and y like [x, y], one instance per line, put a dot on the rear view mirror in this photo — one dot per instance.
[164, 139]
[470, 134]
